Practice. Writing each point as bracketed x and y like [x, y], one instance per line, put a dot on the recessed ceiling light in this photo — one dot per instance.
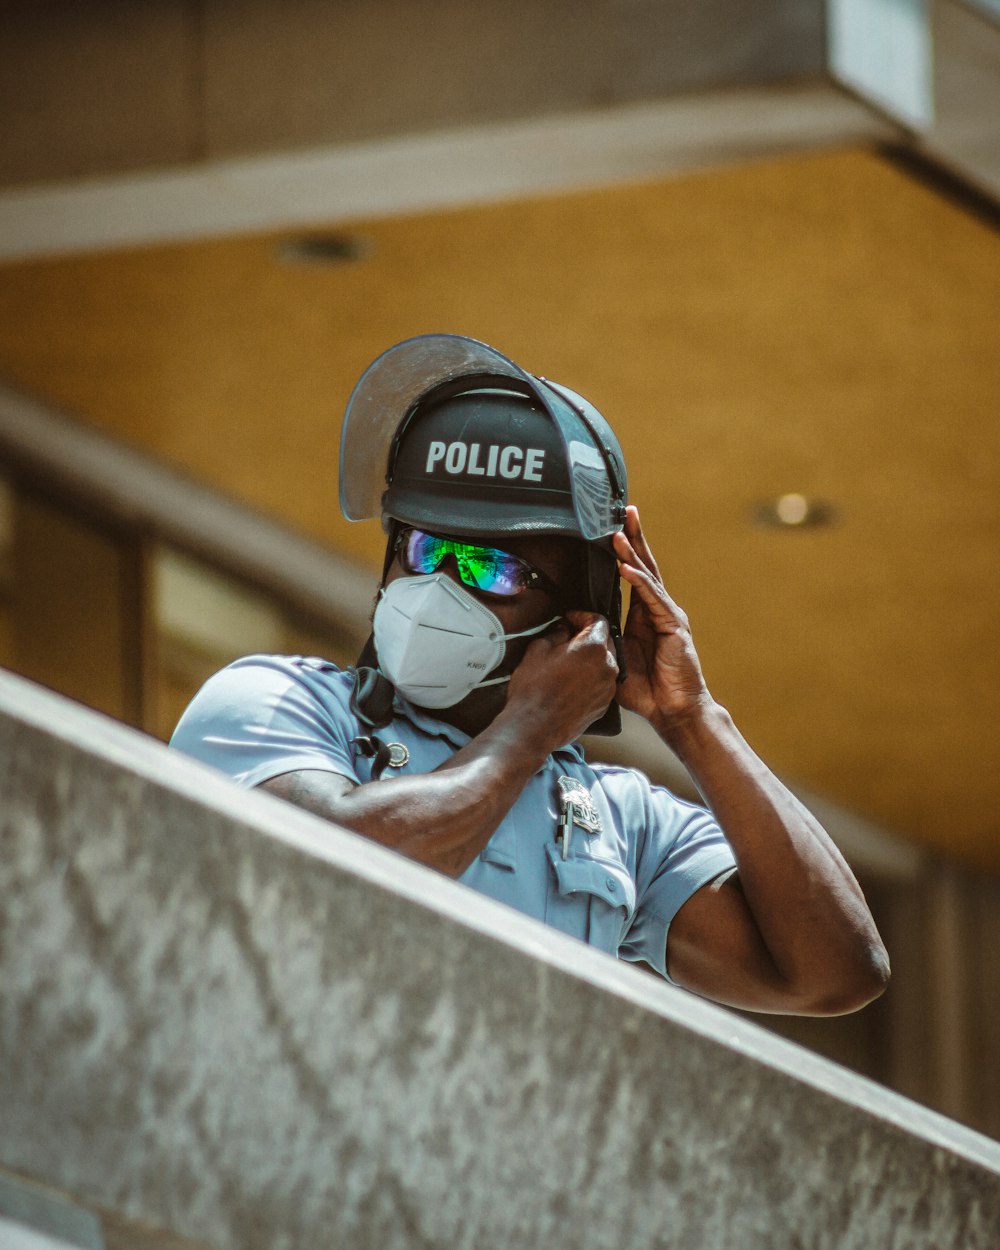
[322, 249]
[794, 511]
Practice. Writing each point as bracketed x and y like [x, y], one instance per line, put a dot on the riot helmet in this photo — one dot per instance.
[446, 433]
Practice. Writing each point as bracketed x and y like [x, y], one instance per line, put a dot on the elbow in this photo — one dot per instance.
[873, 975]
[865, 981]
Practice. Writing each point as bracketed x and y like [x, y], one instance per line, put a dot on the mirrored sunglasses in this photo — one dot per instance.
[483, 568]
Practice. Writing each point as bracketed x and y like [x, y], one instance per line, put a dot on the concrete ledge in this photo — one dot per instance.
[227, 1019]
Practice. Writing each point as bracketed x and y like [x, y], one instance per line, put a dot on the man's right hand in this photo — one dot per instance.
[564, 682]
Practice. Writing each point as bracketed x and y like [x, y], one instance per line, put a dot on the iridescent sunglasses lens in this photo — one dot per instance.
[485, 568]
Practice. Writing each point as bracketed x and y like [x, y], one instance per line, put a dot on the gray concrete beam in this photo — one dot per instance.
[106, 86]
[453, 165]
[228, 1019]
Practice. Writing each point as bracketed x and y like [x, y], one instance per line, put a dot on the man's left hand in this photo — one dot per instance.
[664, 684]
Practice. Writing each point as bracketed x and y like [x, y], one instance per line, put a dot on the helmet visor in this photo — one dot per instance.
[386, 392]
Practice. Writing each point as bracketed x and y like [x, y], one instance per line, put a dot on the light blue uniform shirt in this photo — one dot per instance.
[618, 890]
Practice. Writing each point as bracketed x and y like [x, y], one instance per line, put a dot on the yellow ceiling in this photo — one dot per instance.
[820, 324]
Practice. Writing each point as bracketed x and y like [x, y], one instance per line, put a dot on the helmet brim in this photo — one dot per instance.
[477, 518]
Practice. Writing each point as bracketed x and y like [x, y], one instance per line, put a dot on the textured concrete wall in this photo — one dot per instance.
[223, 1017]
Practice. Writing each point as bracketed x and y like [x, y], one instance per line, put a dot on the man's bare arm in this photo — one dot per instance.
[446, 817]
[443, 818]
[791, 932]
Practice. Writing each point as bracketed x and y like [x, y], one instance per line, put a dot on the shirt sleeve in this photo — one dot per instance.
[267, 715]
[682, 849]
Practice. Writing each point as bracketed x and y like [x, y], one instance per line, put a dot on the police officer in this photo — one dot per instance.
[496, 642]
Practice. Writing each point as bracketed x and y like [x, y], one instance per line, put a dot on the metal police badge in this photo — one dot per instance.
[576, 807]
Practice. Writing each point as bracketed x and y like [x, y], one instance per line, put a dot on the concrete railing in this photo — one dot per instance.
[227, 1019]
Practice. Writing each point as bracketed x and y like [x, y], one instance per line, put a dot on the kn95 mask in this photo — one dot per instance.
[435, 642]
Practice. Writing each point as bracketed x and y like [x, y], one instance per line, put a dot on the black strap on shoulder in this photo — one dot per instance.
[371, 704]
[371, 698]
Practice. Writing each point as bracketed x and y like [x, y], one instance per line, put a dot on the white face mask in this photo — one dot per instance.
[435, 642]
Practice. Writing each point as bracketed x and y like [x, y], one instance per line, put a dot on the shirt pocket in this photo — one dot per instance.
[594, 899]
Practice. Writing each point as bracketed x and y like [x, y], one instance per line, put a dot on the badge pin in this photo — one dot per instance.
[576, 807]
[399, 755]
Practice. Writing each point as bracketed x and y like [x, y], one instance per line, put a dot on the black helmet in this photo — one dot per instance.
[445, 432]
